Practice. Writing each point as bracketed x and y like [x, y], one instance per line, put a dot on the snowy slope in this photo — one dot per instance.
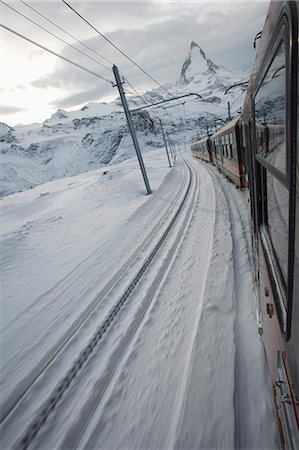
[73, 142]
[194, 374]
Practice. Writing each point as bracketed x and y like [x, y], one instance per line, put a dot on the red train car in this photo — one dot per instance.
[270, 127]
[228, 152]
[201, 149]
[225, 150]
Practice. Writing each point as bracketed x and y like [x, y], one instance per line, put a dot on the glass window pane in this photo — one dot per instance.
[270, 113]
[278, 220]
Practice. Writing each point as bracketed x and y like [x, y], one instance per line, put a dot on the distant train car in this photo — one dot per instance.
[270, 122]
[225, 150]
[228, 152]
[201, 149]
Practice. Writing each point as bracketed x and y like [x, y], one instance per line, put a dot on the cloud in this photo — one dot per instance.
[78, 99]
[47, 82]
[11, 109]
[155, 34]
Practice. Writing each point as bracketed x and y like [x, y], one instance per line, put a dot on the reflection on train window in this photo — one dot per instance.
[270, 113]
[278, 220]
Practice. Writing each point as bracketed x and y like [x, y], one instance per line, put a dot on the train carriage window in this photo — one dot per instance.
[270, 113]
[278, 219]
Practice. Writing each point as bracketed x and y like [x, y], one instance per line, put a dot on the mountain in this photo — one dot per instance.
[201, 73]
[71, 142]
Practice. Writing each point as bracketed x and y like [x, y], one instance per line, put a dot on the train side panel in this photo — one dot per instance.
[228, 152]
[272, 103]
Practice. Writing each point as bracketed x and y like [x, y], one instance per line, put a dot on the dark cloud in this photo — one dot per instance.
[155, 34]
[11, 109]
[225, 31]
[77, 99]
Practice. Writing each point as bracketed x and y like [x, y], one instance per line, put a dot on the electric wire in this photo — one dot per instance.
[237, 99]
[54, 35]
[144, 100]
[54, 53]
[116, 47]
[66, 32]
[77, 40]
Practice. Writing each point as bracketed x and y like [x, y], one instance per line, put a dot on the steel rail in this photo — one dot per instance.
[78, 432]
[27, 383]
[61, 388]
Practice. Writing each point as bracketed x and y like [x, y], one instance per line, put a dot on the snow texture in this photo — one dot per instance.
[75, 217]
[73, 142]
[194, 374]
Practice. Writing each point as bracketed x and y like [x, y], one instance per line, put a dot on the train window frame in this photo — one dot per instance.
[283, 295]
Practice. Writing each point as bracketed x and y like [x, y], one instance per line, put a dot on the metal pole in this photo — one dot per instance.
[172, 148]
[169, 144]
[165, 143]
[228, 107]
[207, 128]
[131, 128]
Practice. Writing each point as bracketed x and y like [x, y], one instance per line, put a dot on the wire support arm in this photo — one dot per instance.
[165, 101]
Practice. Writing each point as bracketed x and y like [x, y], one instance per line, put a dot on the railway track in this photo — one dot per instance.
[22, 388]
[46, 408]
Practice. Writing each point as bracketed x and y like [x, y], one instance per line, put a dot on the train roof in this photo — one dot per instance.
[201, 140]
[226, 127]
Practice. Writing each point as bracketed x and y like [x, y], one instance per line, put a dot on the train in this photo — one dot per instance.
[258, 152]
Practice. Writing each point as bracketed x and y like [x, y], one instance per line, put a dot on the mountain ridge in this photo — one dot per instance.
[71, 142]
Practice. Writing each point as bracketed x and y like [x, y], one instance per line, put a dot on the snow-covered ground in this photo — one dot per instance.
[193, 373]
[72, 142]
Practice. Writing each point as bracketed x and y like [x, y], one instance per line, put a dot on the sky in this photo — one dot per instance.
[155, 34]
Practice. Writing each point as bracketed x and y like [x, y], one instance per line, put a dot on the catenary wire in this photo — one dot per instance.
[66, 32]
[54, 53]
[82, 43]
[77, 40]
[60, 39]
[116, 47]
[54, 35]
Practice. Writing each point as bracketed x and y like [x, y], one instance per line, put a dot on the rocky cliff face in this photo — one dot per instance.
[196, 66]
[71, 142]
[203, 75]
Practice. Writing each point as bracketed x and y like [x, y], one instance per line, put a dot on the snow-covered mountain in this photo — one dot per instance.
[201, 73]
[72, 142]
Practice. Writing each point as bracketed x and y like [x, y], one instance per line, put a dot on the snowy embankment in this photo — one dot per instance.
[193, 374]
[60, 242]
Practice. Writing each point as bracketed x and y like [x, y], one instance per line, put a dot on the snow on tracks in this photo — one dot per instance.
[228, 403]
[143, 405]
[71, 374]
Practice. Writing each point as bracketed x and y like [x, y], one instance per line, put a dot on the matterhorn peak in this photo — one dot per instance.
[196, 47]
[193, 44]
[196, 66]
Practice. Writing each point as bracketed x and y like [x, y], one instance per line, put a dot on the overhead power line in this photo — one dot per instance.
[116, 47]
[55, 54]
[77, 40]
[66, 32]
[89, 48]
[167, 100]
[54, 35]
